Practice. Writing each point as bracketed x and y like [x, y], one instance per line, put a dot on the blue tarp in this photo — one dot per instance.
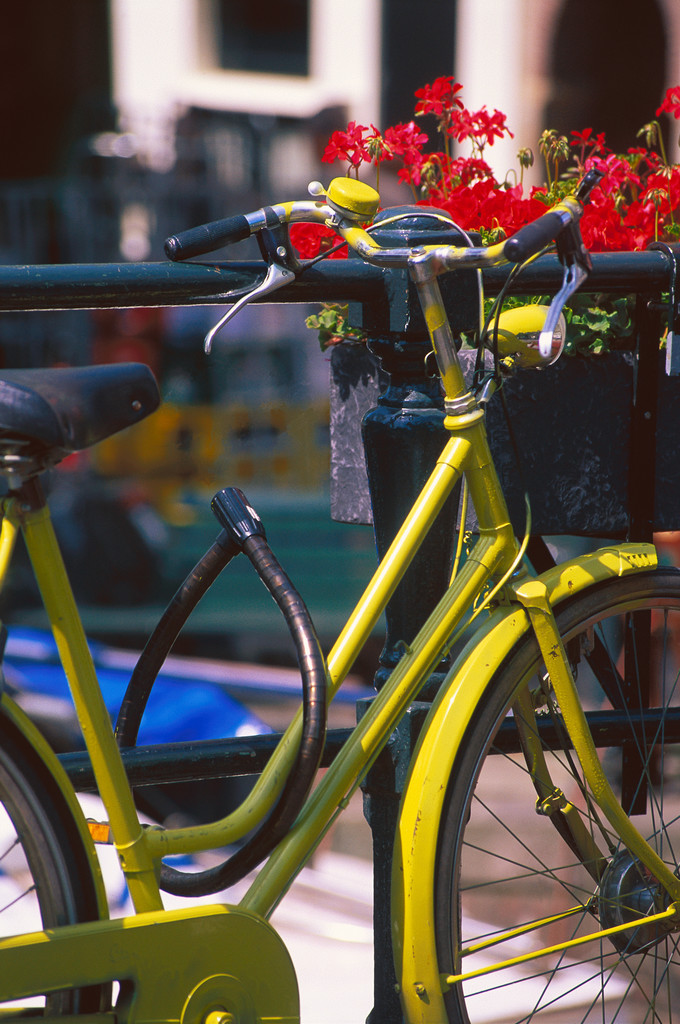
[181, 707]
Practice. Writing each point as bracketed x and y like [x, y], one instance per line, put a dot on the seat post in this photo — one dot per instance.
[28, 492]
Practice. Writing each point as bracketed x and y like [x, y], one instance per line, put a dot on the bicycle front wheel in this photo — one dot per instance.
[45, 876]
[510, 887]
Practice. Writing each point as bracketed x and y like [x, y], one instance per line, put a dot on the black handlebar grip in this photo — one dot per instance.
[207, 237]
[532, 237]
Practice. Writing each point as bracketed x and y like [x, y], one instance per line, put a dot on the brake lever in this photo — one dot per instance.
[275, 278]
[283, 266]
[577, 265]
[572, 278]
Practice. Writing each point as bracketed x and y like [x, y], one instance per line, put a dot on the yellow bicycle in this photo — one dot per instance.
[535, 870]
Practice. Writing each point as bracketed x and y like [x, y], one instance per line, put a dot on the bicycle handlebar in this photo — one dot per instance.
[207, 237]
[215, 234]
[348, 204]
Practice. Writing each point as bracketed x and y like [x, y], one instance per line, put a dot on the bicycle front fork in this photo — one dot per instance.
[533, 595]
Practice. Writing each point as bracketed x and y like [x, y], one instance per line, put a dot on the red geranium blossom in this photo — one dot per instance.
[479, 125]
[671, 103]
[310, 240]
[637, 201]
[439, 98]
[589, 139]
[406, 140]
[349, 145]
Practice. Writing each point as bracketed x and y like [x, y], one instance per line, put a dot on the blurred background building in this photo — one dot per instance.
[217, 103]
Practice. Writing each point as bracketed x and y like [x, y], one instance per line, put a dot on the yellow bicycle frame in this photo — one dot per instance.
[239, 938]
[493, 557]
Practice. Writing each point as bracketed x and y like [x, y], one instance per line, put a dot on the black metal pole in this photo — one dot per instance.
[119, 285]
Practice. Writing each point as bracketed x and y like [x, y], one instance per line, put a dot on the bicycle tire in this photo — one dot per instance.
[45, 877]
[501, 865]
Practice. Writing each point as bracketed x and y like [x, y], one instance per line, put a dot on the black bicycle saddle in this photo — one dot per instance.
[53, 412]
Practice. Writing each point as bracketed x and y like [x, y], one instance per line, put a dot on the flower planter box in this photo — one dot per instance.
[573, 427]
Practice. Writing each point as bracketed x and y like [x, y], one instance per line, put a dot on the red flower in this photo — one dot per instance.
[479, 125]
[637, 201]
[349, 145]
[492, 125]
[601, 225]
[468, 169]
[619, 176]
[671, 103]
[406, 140]
[439, 98]
[665, 180]
[461, 204]
[485, 205]
[638, 156]
[311, 240]
[377, 147]
[588, 143]
[588, 140]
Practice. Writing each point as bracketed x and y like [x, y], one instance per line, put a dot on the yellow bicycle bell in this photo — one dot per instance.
[353, 199]
[518, 332]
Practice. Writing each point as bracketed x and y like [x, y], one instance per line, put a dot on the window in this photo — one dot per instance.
[269, 36]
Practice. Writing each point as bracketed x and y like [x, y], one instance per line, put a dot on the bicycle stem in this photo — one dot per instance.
[423, 274]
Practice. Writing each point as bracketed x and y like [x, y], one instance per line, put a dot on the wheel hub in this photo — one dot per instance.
[627, 893]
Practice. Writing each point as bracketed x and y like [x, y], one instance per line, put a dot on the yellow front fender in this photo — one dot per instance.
[413, 870]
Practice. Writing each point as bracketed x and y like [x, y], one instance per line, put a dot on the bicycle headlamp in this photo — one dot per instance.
[518, 332]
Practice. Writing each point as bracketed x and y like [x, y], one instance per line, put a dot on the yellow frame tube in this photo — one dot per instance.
[57, 596]
[547, 793]
[491, 556]
[372, 732]
[8, 537]
[340, 660]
